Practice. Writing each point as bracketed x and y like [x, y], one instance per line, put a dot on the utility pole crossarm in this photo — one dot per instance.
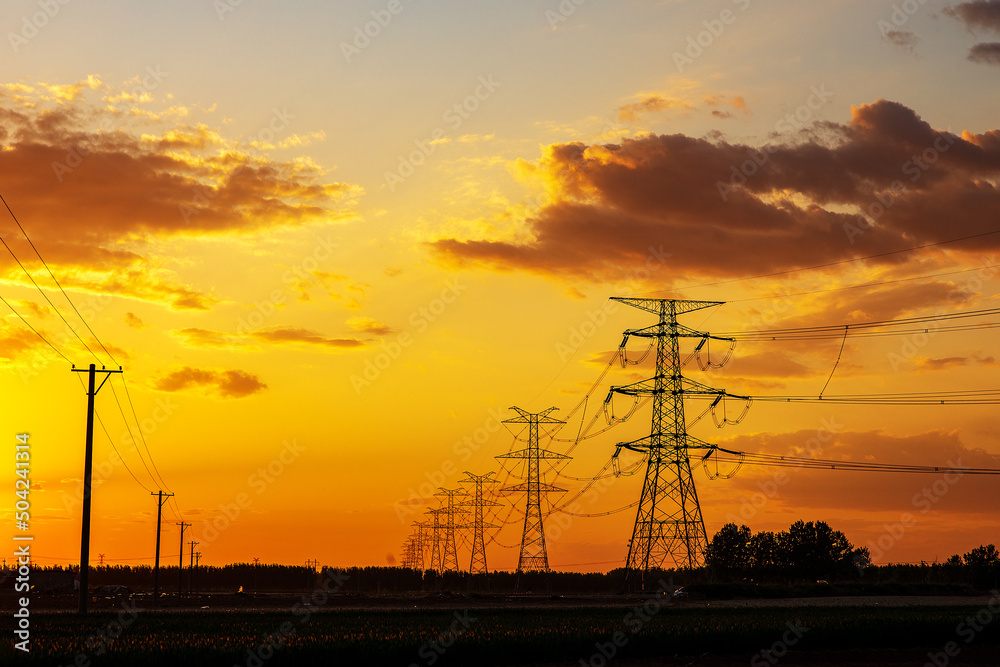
[656, 306]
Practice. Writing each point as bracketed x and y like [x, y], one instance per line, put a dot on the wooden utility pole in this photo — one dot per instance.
[161, 498]
[88, 468]
[180, 563]
[191, 568]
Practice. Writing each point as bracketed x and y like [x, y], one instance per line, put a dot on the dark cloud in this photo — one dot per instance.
[884, 181]
[987, 53]
[983, 14]
[90, 177]
[225, 383]
[902, 38]
[197, 337]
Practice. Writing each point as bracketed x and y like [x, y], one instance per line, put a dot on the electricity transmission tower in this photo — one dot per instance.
[450, 510]
[436, 538]
[534, 555]
[668, 521]
[478, 562]
[419, 545]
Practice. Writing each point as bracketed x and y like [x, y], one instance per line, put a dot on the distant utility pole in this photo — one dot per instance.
[534, 555]
[180, 564]
[197, 563]
[311, 572]
[102, 559]
[478, 562]
[161, 498]
[191, 568]
[255, 562]
[88, 467]
[450, 560]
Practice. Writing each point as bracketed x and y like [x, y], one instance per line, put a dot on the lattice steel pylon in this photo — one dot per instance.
[436, 530]
[450, 559]
[534, 554]
[668, 521]
[477, 564]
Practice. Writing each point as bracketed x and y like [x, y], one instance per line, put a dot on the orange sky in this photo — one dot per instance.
[328, 274]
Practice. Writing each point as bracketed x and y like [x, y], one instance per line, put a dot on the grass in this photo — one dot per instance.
[492, 636]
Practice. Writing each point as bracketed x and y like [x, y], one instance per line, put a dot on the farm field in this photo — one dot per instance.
[641, 633]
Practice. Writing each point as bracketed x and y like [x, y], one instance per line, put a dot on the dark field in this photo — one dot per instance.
[480, 630]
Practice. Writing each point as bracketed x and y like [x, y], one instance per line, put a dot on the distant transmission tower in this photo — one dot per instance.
[534, 555]
[449, 511]
[419, 545]
[478, 562]
[668, 521]
[436, 530]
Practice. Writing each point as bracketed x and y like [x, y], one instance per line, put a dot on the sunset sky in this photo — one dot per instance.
[340, 240]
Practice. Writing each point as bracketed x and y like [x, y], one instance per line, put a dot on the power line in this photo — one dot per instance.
[776, 460]
[56, 281]
[34, 331]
